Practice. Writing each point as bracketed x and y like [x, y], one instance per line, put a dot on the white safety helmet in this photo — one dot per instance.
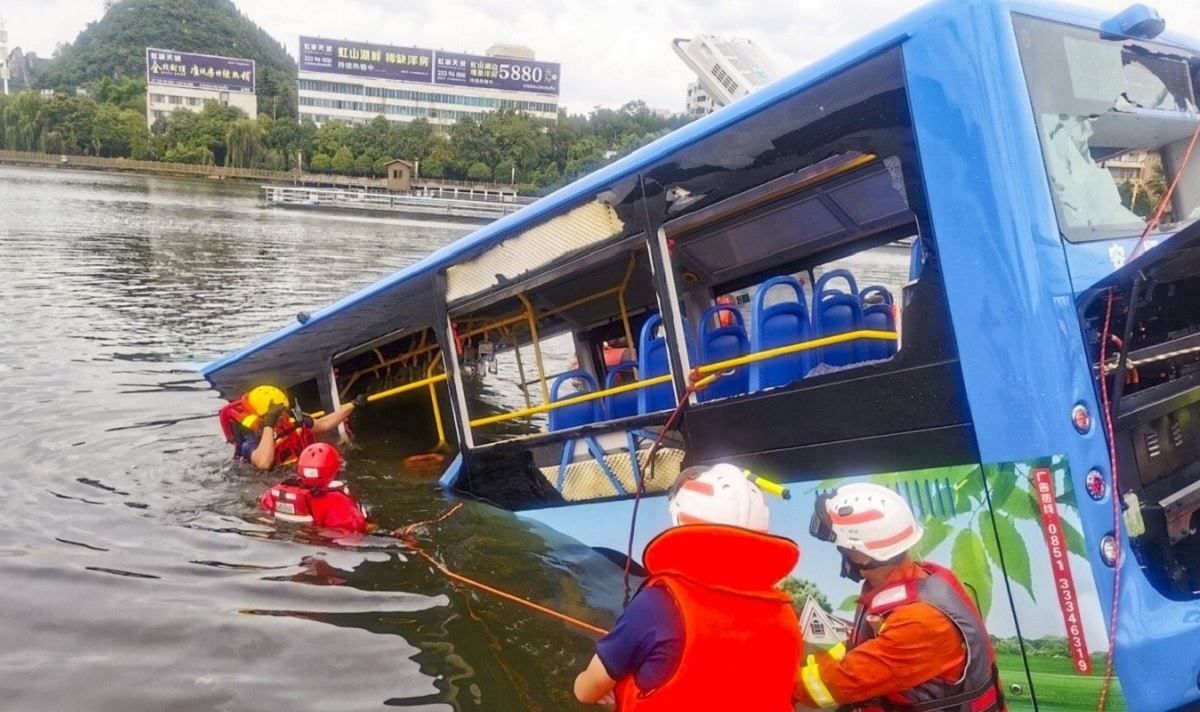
[720, 494]
[870, 519]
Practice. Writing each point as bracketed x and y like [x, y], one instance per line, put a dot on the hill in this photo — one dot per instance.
[114, 47]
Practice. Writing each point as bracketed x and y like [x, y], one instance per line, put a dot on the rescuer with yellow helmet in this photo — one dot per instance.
[265, 433]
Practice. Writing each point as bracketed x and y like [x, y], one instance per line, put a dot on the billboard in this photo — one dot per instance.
[409, 64]
[199, 71]
[413, 64]
[496, 73]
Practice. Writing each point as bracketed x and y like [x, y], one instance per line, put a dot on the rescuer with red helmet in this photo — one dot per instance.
[266, 434]
[709, 629]
[314, 496]
[918, 641]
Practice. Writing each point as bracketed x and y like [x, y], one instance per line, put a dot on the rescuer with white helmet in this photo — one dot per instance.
[709, 629]
[918, 640]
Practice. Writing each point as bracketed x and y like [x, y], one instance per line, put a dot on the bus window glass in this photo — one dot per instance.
[1114, 118]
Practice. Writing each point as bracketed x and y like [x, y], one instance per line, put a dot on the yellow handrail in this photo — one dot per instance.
[707, 369]
[583, 398]
[405, 388]
[720, 366]
[531, 316]
[433, 401]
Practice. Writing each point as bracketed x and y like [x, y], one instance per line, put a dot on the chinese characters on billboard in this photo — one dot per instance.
[413, 64]
[200, 71]
[408, 64]
[496, 73]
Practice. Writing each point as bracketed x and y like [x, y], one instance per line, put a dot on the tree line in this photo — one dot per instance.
[504, 147]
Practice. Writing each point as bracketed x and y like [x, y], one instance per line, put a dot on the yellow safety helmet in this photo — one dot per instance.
[261, 398]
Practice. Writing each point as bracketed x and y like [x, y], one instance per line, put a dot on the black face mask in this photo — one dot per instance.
[854, 571]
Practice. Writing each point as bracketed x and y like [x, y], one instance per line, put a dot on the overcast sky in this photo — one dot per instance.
[611, 51]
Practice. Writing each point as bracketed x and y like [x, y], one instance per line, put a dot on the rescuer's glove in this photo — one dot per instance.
[360, 400]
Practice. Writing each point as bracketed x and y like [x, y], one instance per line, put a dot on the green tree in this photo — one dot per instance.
[364, 165]
[504, 171]
[244, 138]
[321, 163]
[479, 172]
[343, 161]
[800, 590]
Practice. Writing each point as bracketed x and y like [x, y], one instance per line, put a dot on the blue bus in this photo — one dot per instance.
[959, 257]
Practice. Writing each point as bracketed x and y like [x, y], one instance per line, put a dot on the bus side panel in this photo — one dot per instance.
[1035, 528]
[951, 504]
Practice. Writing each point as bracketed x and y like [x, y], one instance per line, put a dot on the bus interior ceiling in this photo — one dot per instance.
[1157, 416]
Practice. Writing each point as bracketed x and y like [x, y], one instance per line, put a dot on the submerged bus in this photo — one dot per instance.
[921, 262]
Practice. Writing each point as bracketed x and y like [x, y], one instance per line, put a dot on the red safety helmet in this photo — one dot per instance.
[318, 464]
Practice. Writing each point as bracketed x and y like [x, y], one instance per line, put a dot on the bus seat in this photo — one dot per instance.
[778, 325]
[836, 312]
[878, 315]
[621, 405]
[573, 416]
[653, 361]
[721, 344]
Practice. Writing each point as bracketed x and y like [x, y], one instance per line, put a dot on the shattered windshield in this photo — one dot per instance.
[1115, 117]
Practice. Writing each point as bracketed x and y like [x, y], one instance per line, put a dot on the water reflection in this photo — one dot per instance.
[138, 574]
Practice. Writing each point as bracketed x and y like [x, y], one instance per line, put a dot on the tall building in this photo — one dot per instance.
[354, 82]
[699, 102]
[726, 70]
[4, 72]
[184, 80]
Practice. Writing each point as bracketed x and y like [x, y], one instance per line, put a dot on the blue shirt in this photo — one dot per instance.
[647, 641]
[248, 445]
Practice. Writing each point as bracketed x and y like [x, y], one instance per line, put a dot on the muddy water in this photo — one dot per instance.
[135, 573]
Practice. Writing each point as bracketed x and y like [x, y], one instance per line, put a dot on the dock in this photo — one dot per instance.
[466, 204]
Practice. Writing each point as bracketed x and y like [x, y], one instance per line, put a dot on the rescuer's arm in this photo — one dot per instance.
[916, 644]
[330, 421]
[593, 685]
[263, 456]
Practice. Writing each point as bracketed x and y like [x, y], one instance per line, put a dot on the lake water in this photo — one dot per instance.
[136, 573]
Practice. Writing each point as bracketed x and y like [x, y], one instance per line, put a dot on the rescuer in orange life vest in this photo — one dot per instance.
[708, 630]
[266, 434]
[918, 641]
[313, 496]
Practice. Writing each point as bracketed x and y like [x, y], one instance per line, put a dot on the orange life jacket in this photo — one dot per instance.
[239, 421]
[741, 637]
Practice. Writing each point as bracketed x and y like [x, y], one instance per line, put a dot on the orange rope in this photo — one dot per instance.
[405, 534]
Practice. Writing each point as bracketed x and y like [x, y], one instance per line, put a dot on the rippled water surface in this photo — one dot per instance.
[136, 574]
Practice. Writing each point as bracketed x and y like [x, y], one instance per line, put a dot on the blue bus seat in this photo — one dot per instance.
[621, 405]
[835, 312]
[573, 416]
[878, 316]
[778, 325]
[721, 344]
[653, 361]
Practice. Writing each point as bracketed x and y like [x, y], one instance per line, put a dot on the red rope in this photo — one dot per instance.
[696, 383]
[405, 534]
[1106, 408]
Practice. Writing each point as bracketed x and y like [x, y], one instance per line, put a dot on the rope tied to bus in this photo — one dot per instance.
[406, 534]
[1106, 407]
[697, 381]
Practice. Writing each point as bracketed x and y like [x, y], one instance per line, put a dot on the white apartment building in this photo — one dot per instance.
[162, 99]
[699, 103]
[356, 82]
[185, 80]
[727, 70]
